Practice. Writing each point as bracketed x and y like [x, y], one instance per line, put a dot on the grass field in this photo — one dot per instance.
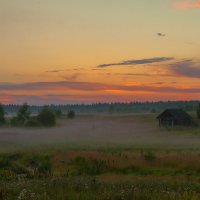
[125, 157]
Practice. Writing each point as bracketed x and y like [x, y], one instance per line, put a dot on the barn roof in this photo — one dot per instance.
[176, 114]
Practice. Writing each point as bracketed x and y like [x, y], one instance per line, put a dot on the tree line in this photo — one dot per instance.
[46, 117]
[133, 107]
[32, 115]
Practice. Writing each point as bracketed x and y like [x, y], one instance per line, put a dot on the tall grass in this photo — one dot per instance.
[83, 188]
[81, 175]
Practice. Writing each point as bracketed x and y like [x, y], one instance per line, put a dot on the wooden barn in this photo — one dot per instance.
[175, 117]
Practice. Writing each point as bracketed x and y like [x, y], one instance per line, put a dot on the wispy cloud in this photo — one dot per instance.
[90, 86]
[159, 83]
[144, 74]
[137, 62]
[64, 70]
[53, 86]
[175, 68]
[185, 68]
[54, 71]
[188, 4]
[72, 77]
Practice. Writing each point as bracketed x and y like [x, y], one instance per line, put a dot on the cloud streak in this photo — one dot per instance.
[90, 86]
[176, 68]
[72, 77]
[185, 68]
[54, 71]
[137, 62]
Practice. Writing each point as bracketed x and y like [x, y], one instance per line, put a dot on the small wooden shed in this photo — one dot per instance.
[175, 117]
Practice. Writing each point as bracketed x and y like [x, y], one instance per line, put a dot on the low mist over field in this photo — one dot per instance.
[129, 131]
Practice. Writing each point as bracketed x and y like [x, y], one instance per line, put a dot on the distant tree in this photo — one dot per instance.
[198, 112]
[2, 115]
[71, 114]
[15, 122]
[111, 109]
[47, 117]
[23, 113]
[149, 156]
[58, 113]
[153, 110]
[32, 122]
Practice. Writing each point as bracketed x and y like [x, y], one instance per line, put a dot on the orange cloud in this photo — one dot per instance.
[188, 5]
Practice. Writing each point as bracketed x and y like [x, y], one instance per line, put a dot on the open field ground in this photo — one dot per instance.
[125, 157]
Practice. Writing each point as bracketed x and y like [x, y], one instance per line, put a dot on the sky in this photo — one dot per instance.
[85, 51]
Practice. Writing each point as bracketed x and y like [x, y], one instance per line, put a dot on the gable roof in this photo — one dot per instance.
[177, 114]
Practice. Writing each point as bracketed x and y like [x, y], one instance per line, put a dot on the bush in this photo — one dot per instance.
[18, 169]
[23, 114]
[47, 117]
[149, 156]
[83, 166]
[58, 113]
[2, 115]
[32, 122]
[5, 162]
[198, 112]
[71, 114]
[40, 162]
[111, 109]
[15, 122]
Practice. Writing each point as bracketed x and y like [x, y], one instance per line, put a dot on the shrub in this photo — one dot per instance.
[40, 162]
[32, 122]
[198, 112]
[47, 117]
[23, 114]
[18, 169]
[5, 162]
[2, 115]
[85, 166]
[71, 114]
[111, 109]
[15, 122]
[153, 110]
[5, 174]
[149, 156]
[58, 113]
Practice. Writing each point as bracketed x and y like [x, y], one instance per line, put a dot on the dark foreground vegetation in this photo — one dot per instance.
[86, 189]
[100, 175]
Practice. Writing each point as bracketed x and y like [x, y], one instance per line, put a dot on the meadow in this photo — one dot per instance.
[111, 157]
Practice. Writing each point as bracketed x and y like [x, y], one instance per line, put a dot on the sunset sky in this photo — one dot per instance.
[76, 51]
